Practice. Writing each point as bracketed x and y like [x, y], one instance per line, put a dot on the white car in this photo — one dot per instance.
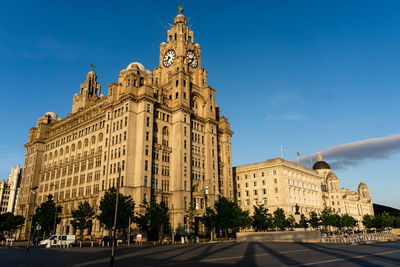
[59, 240]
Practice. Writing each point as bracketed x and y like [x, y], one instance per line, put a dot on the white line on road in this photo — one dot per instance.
[227, 258]
[347, 258]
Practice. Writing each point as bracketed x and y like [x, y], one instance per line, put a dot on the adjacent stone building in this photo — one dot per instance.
[161, 127]
[279, 183]
[9, 190]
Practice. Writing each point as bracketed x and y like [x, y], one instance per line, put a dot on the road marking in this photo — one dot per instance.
[228, 258]
[344, 259]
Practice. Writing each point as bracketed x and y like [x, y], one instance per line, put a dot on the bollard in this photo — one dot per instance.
[91, 244]
[7, 242]
[80, 244]
[11, 243]
[108, 244]
[102, 243]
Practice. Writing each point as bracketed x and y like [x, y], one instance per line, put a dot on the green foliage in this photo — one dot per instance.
[209, 219]
[229, 215]
[280, 219]
[381, 221]
[45, 213]
[262, 220]
[348, 221]
[314, 220]
[326, 217]
[368, 221]
[303, 221]
[107, 209]
[10, 222]
[83, 217]
[155, 218]
[291, 221]
[158, 214]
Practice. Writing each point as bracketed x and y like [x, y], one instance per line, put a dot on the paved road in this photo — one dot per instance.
[215, 254]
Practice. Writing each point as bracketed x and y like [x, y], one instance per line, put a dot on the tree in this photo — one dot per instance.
[45, 213]
[303, 221]
[83, 217]
[336, 221]
[348, 221]
[280, 219]
[326, 217]
[383, 220]
[261, 218]
[10, 222]
[229, 215]
[368, 221]
[314, 220]
[126, 206]
[291, 221]
[209, 219]
[158, 217]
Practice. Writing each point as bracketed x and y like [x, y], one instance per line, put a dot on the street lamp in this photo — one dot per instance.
[55, 203]
[33, 191]
[115, 220]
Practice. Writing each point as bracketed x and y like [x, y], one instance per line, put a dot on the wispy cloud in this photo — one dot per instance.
[350, 154]
[289, 116]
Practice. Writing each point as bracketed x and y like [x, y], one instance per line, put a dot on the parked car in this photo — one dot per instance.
[59, 240]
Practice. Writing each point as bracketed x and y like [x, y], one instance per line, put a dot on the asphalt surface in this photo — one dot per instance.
[211, 254]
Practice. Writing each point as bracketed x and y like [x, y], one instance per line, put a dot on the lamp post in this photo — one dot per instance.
[55, 212]
[33, 191]
[115, 220]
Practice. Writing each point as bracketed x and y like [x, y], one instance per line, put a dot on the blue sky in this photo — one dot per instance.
[305, 75]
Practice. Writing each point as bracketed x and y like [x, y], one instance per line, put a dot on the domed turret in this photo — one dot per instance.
[363, 190]
[180, 18]
[331, 176]
[320, 164]
[52, 115]
[138, 65]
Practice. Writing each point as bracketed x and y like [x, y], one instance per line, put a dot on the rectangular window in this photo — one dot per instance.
[145, 181]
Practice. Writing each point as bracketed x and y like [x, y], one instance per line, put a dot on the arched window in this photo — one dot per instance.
[67, 150]
[86, 142]
[73, 148]
[56, 154]
[50, 156]
[61, 152]
[165, 136]
[93, 140]
[79, 145]
[45, 157]
[100, 138]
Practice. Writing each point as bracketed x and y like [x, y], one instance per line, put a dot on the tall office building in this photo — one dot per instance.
[161, 127]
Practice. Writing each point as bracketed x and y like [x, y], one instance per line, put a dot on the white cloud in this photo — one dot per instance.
[350, 154]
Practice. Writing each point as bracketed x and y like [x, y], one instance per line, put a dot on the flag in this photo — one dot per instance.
[281, 152]
[298, 154]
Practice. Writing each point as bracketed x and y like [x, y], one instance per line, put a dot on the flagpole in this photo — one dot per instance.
[281, 152]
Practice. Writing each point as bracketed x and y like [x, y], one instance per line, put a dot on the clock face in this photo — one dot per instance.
[192, 59]
[169, 58]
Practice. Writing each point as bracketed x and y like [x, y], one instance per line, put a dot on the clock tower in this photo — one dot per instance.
[201, 167]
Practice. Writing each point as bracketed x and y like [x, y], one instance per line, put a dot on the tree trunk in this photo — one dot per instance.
[226, 234]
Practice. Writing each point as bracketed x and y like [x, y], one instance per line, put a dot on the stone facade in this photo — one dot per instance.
[9, 190]
[162, 128]
[279, 183]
